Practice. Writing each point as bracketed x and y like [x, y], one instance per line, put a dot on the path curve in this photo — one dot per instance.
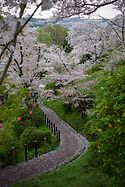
[71, 145]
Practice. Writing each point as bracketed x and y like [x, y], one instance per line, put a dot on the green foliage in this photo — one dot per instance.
[7, 141]
[23, 91]
[68, 107]
[1, 17]
[3, 95]
[2, 89]
[41, 74]
[51, 85]
[7, 111]
[95, 68]
[67, 47]
[105, 56]
[27, 120]
[85, 57]
[52, 35]
[44, 37]
[106, 124]
[37, 118]
[18, 128]
[30, 135]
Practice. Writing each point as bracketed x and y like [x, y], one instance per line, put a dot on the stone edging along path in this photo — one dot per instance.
[72, 144]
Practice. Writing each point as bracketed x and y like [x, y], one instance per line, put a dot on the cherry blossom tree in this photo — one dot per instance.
[64, 8]
[59, 67]
[88, 40]
[18, 8]
[115, 31]
[25, 62]
[60, 70]
[35, 63]
[116, 26]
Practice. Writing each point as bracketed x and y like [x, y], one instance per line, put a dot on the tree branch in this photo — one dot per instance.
[77, 8]
[19, 29]
[19, 68]
[6, 67]
[110, 23]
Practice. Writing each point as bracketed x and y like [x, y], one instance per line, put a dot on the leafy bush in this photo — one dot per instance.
[52, 34]
[7, 141]
[27, 120]
[37, 118]
[67, 47]
[19, 127]
[106, 124]
[23, 91]
[29, 136]
[51, 85]
[85, 57]
[67, 107]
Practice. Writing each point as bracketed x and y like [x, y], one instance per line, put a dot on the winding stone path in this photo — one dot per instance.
[71, 145]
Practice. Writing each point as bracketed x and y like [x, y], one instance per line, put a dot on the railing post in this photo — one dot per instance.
[51, 126]
[54, 128]
[47, 121]
[14, 155]
[35, 149]
[45, 118]
[59, 135]
[25, 152]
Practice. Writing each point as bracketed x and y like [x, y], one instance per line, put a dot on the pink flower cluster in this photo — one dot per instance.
[20, 117]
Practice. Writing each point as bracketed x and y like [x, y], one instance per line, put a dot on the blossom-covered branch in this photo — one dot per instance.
[67, 8]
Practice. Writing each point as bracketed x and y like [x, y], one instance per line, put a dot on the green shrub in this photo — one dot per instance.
[24, 113]
[67, 107]
[85, 57]
[51, 85]
[37, 118]
[19, 127]
[27, 120]
[54, 87]
[23, 92]
[30, 135]
[106, 126]
[7, 141]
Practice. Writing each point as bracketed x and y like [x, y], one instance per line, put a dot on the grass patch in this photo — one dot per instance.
[73, 117]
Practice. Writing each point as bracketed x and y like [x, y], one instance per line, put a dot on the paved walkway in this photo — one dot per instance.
[71, 145]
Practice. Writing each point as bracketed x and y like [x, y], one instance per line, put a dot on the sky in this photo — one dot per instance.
[106, 12]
